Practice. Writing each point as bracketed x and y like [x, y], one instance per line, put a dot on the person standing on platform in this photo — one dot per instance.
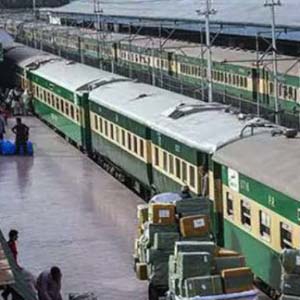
[2, 126]
[49, 284]
[22, 134]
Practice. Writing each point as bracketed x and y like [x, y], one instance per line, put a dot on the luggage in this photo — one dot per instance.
[142, 213]
[190, 207]
[141, 271]
[290, 284]
[193, 264]
[290, 260]
[29, 149]
[163, 214]
[165, 240]
[203, 286]
[150, 230]
[222, 252]
[192, 246]
[157, 256]
[8, 147]
[227, 262]
[237, 280]
[194, 226]
[159, 274]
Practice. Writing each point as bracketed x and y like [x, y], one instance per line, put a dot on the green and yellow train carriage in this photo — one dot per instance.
[260, 196]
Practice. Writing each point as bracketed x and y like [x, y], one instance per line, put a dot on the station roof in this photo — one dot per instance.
[234, 11]
[261, 156]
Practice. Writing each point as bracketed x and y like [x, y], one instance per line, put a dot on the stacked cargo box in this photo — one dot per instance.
[202, 269]
[290, 281]
[159, 227]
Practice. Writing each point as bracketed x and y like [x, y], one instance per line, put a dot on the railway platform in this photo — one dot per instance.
[70, 213]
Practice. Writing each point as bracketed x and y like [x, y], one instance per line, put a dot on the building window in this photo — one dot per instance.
[96, 122]
[285, 236]
[245, 213]
[142, 151]
[135, 144]
[171, 164]
[265, 225]
[112, 134]
[184, 172]
[156, 156]
[192, 176]
[178, 168]
[129, 140]
[229, 204]
[165, 161]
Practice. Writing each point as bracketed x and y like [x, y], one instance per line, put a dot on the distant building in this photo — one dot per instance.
[28, 3]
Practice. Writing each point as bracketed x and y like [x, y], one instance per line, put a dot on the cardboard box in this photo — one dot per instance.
[191, 226]
[163, 214]
[141, 271]
[237, 280]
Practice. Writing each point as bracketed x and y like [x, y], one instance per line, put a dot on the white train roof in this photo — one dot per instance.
[272, 161]
[206, 130]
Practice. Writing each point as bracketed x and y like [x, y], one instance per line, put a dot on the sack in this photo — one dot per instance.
[290, 284]
[8, 147]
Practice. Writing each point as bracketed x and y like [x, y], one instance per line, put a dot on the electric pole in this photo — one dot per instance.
[272, 4]
[98, 11]
[207, 12]
[34, 8]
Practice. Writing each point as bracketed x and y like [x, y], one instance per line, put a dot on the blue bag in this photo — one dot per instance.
[8, 147]
[29, 149]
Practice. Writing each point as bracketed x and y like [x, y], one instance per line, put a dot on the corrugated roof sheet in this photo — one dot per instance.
[237, 11]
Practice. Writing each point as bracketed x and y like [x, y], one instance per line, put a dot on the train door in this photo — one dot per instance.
[170, 64]
[255, 87]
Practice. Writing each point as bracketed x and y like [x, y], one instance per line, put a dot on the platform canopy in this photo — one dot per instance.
[232, 11]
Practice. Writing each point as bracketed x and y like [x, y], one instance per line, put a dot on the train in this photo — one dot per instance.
[154, 141]
[242, 78]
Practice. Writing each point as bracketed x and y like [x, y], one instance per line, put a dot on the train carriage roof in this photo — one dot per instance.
[272, 161]
[205, 126]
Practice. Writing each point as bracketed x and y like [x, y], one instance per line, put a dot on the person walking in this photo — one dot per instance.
[2, 125]
[49, 284]
[22, 134]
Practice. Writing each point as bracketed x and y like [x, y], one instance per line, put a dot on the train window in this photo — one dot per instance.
[171, 164]
[246, 82]
[72, 111]
[245, 213]
[123, 137]
[96, 121]
[291, 92]
[222, 77]
[67, 108]
[295, 95]
[129, 140]
[192, 176]
[229, 78]
[271, 88]
[285, 236]
[62, 105]
[78, 115]
[156, 156]
[184, 171]
[178, 167]
[280, 90]
[285, 91]
[57, 103]
[165, 161]
[117, 134]
[100, 124]
[135, 144]
[105, 128]
[233, 79]
[45, 96]
[264, 225]
[229, 204]
[142, 151]
[52, 100]
[112, 133]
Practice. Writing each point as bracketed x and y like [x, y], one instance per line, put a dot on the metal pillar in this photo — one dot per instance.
[272, 4]
[207, 12]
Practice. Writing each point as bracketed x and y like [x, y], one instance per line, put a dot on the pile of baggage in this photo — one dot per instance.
[175, 251]
[8, 147]
[290, 281]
